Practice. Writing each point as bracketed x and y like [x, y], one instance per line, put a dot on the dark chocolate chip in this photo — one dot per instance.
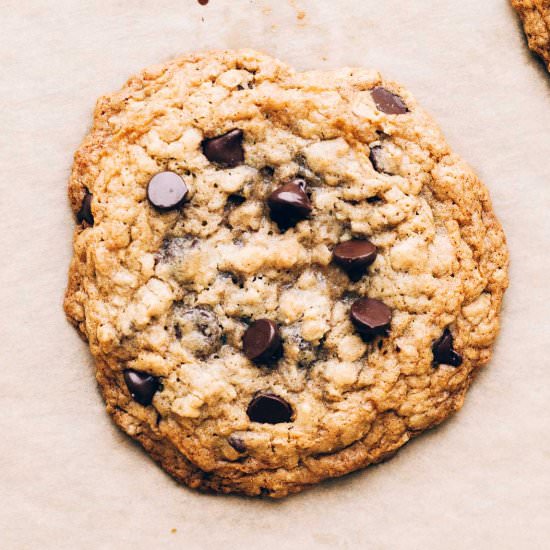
[262, 341]
[354, 256]
[237, 443]
[443, 350]
[141, 385]
[387, 102]
[166, 191]
[289, 204]
[370, 317]
[85, 212]
[226, 149]
[269, 409]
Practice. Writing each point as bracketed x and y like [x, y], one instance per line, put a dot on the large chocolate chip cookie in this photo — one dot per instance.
[282, 276]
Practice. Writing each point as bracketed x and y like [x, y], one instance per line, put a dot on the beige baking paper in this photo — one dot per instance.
[70, 480]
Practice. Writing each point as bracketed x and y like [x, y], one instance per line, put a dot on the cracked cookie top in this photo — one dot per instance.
[282, 276]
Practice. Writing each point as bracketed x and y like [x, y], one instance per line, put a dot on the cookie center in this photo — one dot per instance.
[293, 270]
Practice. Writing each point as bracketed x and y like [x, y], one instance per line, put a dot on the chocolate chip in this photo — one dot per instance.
[262, 341]
[269, 409]
[226, 149]
[354, 256]
[142, 386]
[166, 191]
[85, 212]
[387, 102]
[370, 317]
[289, 204]
[237, 443]
[443, 350]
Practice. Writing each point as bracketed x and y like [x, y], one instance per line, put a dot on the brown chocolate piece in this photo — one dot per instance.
[269, 408]
[141, 385]
[166, 191]
[262, 341]
[388, 102]
[226, 149]
[371, 317]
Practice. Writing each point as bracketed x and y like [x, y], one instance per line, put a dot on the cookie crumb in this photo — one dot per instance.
[300, 13]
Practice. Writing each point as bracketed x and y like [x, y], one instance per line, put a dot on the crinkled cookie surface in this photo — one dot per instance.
[535, 16]
[282, 276]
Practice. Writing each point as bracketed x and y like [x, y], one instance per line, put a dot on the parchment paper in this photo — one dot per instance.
[69, 479]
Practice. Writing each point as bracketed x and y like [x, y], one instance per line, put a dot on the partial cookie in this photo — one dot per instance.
[535, 15]
[282, 276]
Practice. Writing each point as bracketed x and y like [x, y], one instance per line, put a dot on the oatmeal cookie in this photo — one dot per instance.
[282, 276]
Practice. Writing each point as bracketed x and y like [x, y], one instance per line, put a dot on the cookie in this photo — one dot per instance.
[535, 16]
[283, 277]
